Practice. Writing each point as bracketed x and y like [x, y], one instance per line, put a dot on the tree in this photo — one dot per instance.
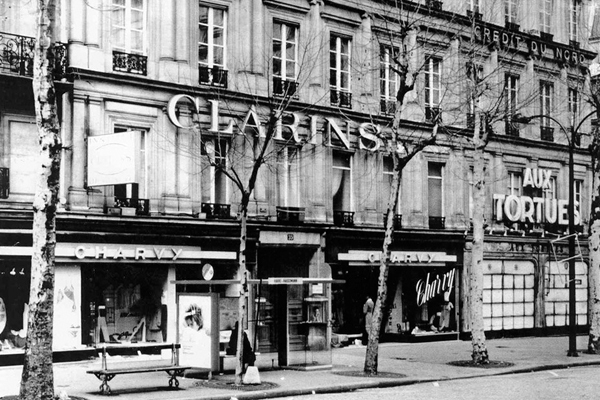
[37, 381]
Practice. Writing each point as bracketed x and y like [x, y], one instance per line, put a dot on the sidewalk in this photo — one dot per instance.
[419, 362]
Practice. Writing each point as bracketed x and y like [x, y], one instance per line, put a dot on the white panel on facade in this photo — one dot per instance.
[557, 295]
[550, 320]
[487, 281]
[496, 281]
[496, 310]
[521, 268]
[508, 295]
[581, 307]
[487, 324]
[507, 310]
[581, 268]
[496, 295]
[582, 319]
[581, 295]
[519, 295]
[519, 282]
[507, 281]
[519, 322]
[529, 281]
[24, 156]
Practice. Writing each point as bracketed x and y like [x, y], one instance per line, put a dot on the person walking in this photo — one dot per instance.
[368, 316]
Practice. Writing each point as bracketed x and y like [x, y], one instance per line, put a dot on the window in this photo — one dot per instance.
[435, 175]
[511, 87]
[578, 195]
[388, 177]
[134, 194]
[339, 71]
[216, 151]
[545, 15]
[510, 11]
[342, 181]
[549, 192]
[574, 21]
[433, 87]
[128, 26]
[288, 176]
[515, 184]
[546, 94]
[473, 6]
[285, 58]
[573, 105]
[212, 55]
[389, 81]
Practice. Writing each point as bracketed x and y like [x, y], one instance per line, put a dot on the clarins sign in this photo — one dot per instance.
[367, 132]
[534, 209]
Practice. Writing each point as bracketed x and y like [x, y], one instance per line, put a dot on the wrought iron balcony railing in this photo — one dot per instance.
[16, 56]
[433, 113]
[397, 221]
[215, 76]
[283, 87]
[511, 129]
[142, 206]
[340, 98]
[548, 37]
[388, 107]
[216, 210]
[475, 14]
[4, 183]
[511, 26]
[291, 215]
[343, 218]
[437, 222]
[131, 63]
[435, 4]
[547, 133]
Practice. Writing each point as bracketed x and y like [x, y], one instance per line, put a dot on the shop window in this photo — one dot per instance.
[14, 296]
[435, 180]
[508, 295]
[212, 46]
[556, 305]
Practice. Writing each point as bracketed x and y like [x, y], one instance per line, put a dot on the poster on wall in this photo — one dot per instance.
[197, 318]
[67, 315]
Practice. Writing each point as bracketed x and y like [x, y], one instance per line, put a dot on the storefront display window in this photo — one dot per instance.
[14, 296]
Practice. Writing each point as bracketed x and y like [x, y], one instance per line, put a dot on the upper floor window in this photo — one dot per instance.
[545, 15]
[433, 87]
[473, 6]
[389, 81]
[339, 71]
[128, 26]
[578, 195]
[285, 58]
[574, 20]
[573, 105]
[134, 194]
[546, 94]
[212, 42]
[511, 101]
[342, 181]
[511, 11]
[388, 177]
[435, 195]
[288, 176]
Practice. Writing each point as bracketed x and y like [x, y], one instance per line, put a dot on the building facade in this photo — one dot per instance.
[157, 99]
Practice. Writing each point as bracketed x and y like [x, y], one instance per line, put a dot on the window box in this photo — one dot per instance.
[130, 63]
[547, 133]
[214, 76]
[4, 183]
[140, 206]
[433, 113]
[291, 215]
[216, 210]
[437, 222]
[343, 218]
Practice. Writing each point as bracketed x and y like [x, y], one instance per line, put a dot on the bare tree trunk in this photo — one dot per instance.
[243, 274]
[480, 353]
[594, 249]
[37, 380]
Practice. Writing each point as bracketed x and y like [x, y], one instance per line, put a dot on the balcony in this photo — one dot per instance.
[341, 99]
[388, 107]
[511, 26]
[130, 63]
[574, 43]
[216, 210]
[433, 114]
[284, 88]
[437, 222]
[511, 129]
[547, 37]
[343, 218]
[141, 206]
[291, 215]
[215, 76]
[16, 56]
[4, 183]
[547, 133]
[470, 120]
[397, 221]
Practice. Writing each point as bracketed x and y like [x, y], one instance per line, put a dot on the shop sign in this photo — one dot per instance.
[398, 257]
[533, 209]
[429, 287]
[285, 281]
[511, 40]
[113, 159]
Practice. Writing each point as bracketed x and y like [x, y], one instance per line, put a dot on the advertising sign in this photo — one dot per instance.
[114, 159]
[197, 318]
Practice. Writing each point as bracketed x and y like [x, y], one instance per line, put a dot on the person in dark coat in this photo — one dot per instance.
[248, 357]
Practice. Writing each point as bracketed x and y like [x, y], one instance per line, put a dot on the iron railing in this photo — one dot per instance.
[142, 206]
[291, 215]
[437, 222]
[215, 76]
[17, 52]
[340, 98]
[4, 183]
[216, 210]
[283, 87]
[547, 133]
[397, 221]
[343, 218]
[130, 63]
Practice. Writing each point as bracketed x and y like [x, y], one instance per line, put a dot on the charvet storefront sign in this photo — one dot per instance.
[534, 209]
[514, 40]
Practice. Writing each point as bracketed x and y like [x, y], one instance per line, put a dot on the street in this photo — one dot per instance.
[572, 383]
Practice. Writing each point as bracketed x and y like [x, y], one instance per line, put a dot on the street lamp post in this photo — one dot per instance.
[572, 352]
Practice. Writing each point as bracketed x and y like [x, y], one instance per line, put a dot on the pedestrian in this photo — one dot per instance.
[368, 316]
[248, 356]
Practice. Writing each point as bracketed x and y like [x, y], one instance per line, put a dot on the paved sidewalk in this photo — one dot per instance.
[419, 362]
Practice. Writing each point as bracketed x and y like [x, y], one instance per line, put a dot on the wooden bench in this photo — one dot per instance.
[106, 374]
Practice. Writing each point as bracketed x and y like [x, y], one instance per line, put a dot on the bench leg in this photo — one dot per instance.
[173, 377]
[105, 378]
